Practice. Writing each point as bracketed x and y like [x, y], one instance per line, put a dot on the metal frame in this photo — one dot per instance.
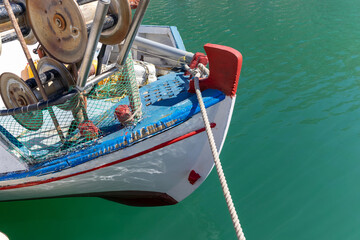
[101, 10]
[82, 83]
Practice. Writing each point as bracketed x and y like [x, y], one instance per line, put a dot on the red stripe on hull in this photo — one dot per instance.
[162, 145]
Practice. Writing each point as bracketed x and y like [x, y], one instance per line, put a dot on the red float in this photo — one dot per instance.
[88, 130]
[123, 114]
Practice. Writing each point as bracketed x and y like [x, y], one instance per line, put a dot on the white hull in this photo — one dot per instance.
[151, 167]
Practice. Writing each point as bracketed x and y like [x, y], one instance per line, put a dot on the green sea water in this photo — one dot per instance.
[292, 153]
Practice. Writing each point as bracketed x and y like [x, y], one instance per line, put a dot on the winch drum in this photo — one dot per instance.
[16, 93]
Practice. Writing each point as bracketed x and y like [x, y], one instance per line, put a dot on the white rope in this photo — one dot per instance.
[225, 188]
[203, 69]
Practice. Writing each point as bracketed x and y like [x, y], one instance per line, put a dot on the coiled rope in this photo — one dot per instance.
[219, 169]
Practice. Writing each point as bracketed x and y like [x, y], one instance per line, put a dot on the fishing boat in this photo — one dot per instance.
[95, 104]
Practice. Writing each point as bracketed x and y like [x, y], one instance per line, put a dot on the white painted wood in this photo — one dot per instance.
[165, 170]
[8, 162]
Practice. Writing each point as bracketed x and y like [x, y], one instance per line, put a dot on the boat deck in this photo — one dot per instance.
[165, 104]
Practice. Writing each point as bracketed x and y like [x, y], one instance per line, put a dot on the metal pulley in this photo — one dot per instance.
[122, 11]
[57, 84]
[52, 26]
[63, 82]
[60, 28]
[55, 78]
[16, 93]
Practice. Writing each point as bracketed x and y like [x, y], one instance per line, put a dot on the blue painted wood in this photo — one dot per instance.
[178, 40]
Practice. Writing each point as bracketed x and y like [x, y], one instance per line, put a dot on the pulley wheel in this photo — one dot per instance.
[115, 35]
[65, 81]
[47, 64]
[15, 93]
[60, 28]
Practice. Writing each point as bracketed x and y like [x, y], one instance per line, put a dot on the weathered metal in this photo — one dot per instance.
[135, 24]
[60, 28]
[117, 33]
[61, 83]
[15, 93]
[101, 10]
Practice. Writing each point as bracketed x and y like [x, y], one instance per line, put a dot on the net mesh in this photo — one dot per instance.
[82, 120]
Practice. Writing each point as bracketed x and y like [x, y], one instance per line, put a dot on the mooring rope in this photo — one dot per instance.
[220, 172]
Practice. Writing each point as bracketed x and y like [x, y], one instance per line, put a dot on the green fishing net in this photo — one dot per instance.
[81, 121]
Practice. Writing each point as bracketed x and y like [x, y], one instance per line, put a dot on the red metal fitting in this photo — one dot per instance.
[225, 66]
[134, 3]
[123, 114]
[193, 177]
[88, 130]
[198, 58]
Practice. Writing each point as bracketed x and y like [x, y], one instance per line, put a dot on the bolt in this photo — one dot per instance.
[58, 22]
